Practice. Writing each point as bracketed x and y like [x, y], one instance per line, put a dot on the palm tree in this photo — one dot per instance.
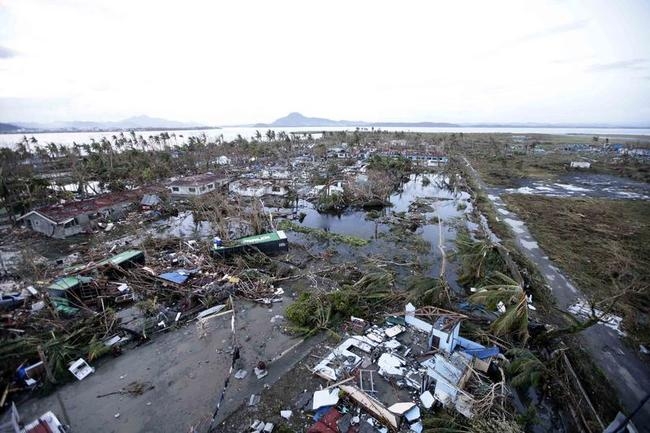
[258, 135]
[507, 291]
[526, 369]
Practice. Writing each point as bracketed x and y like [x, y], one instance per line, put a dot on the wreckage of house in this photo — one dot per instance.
[259, 187]
[68, 219]
[427, 358]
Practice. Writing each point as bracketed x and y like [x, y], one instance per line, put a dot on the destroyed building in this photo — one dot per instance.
[427, 360]
[68, 219]
[193, 186]
[259, 187]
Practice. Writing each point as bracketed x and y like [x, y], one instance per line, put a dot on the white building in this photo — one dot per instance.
[193, 186]
[258, 188]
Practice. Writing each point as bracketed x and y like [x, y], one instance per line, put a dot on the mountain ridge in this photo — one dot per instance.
[296, 119]
[141, 122]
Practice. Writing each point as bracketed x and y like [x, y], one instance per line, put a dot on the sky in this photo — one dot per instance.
[237, 62]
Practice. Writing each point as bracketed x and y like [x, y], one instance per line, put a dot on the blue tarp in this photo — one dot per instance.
[179, 276]
[482, 353]
[475, 349]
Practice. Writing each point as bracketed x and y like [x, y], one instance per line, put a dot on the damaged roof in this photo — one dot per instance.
[64, 212]
[196, 180]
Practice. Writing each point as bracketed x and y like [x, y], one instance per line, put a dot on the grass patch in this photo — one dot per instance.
[353, 241]
[603, 245]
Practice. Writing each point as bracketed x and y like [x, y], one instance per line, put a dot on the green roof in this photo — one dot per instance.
[68, 283]
[257, 239]
[120, 258]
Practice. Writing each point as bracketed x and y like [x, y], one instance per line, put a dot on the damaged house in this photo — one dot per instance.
[193, 186]
[259, 188]
[68, 219]
[427, 360]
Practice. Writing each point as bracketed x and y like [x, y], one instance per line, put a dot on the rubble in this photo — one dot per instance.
[427, 359]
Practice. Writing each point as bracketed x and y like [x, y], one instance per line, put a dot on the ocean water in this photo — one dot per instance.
[230, 133]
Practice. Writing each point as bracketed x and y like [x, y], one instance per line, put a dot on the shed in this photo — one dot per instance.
[150, 200]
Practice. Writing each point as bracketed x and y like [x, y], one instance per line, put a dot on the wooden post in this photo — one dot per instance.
[48, 370]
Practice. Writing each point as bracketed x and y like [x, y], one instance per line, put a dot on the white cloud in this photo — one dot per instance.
[248, 61]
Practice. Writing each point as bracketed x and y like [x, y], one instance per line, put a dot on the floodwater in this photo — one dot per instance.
[387, 241]
[355, 223]
[583, 185]
[446, 205]
[231, 133]
[182, 226]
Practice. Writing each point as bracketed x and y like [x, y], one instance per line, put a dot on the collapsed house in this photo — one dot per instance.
[259, 187]
[428, 361]
[68, 219]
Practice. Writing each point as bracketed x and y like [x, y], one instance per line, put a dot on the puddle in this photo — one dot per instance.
[516, 225]
[584, 185]
[182, 226]
[583, 310]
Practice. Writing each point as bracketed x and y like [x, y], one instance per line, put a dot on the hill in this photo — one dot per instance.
[298, 120]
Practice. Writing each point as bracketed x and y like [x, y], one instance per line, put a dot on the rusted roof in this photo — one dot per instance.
[62, 212]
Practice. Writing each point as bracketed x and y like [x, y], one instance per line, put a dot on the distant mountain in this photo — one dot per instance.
[138, 122]
[298, 120]
[8, 127]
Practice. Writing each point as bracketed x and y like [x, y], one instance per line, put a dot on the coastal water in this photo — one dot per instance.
[231, 133]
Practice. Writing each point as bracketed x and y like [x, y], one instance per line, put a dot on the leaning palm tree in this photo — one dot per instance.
[526, 369]
[507, 291]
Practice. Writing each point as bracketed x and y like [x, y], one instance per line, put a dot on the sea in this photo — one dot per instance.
[231, 133]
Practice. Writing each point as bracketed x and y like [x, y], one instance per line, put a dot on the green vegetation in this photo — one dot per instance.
[526, 369]
[322, 234]
[60, 346]
[479, 259]
[366, 298]
[333, 202]
[430, 291]
[398, 166]
[509, 292]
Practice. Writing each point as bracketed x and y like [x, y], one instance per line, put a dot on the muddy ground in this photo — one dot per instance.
[187, 372]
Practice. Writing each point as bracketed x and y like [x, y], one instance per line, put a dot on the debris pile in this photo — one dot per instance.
[388, 374]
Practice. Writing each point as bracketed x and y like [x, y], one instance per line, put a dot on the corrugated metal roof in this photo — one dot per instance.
[150, 200]
[69, 282]
[120, 258]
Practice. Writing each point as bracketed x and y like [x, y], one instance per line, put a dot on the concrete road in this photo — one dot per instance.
[188, 373]
[627, 372]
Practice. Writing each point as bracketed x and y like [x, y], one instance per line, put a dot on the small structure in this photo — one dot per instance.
[222, 160]
[266, 243]
[194, 186]
[580, 164]
[259, 188]
[335, 187]
[68, 219]
[337, 152]
[46, 423]
[69, 292]
[437, 161]
[150, 201]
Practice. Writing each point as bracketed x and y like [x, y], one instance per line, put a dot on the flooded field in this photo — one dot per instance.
[584, 185]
